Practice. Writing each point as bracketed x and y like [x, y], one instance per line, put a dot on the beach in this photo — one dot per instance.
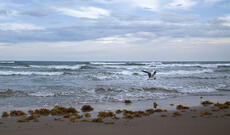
[209, 119]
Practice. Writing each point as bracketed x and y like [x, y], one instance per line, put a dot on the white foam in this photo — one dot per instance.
[41, 94]
[74, 67]
[194, 65]
[7, 62]
[184, 72]
[29, 73]
[107, 63]
[125, 72]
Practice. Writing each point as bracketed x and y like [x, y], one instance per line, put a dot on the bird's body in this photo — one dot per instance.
[149, 74]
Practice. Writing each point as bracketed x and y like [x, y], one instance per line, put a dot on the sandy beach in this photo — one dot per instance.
[200, 120]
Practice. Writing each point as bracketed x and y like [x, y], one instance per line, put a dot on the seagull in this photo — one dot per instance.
[149, 74]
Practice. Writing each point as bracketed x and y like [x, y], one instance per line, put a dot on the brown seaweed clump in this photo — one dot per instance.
[17, 113]
[222, 106]
[164, 115]
[202, 114]
[98, 120]
[108, 122]
[42, 111]
[128, 116]
[84, 120]
[105, 114]
[31, 112]
[150, 111]
[115, 118]
[59, 110]
[206, 103]
[171, 104]
[86, 108]
[160, 110]
[29, 118]
[5, 114]
[77, 116]
[127, 101]
[74, 120]
[175, 114]
[87, 115]
[155, 105]
[67, 115]
[181, 107]
[118, 111]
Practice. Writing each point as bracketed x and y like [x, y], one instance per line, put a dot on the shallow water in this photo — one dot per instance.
[25, 84]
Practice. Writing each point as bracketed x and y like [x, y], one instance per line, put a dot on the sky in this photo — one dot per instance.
[114, 30]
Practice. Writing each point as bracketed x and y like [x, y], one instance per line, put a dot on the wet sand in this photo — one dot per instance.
[199, 120]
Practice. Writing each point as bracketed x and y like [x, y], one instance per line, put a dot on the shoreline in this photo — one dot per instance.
[195, 120]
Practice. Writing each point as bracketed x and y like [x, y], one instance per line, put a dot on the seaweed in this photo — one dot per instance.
[17, 113]
[150, 111]
[164, 115]
[155, 105]
[127, 101]
[108, 122]
[74, 120]
[175, 114]
[59, 110]
[115, 118]
[42, 111]
[98, 120]
[86, 108]
[206, 103]
[87, 115]
[84, 120]
[222, 106]
[202, 114]
[5, 114]
[67, 115]
[118, 111]
[181, 107]
[105, 114]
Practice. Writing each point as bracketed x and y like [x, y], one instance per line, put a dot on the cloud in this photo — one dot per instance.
[37, 12]
[84, 12]
[18, 27]
[182, 4]
[226, 20]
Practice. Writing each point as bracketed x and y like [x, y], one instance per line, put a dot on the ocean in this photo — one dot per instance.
[35, 84]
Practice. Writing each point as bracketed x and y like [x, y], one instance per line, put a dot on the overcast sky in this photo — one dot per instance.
[115, 30]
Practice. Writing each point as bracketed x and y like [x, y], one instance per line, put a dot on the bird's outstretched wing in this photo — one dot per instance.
[149, 74]
[154, 73]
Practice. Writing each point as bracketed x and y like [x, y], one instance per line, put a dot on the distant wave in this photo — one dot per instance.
[185, 72]
[7, 62]
[59, 67]
[10, 92]
[195, 65]
[8, 73]
[107, 63]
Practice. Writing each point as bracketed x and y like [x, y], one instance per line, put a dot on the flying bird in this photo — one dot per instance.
[149, 74]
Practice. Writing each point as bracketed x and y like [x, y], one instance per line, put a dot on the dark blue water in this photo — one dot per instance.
[44, 83]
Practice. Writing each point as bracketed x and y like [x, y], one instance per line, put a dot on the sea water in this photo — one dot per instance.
[34, 84]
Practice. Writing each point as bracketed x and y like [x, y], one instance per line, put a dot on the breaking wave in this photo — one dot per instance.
[8, 73]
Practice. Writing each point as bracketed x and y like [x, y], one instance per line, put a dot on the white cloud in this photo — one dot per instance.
[181, 4]
[19, 26]
[152, 5]
[226, 20]
[84, 12]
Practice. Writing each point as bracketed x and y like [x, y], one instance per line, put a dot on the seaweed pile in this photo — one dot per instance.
[61, 113]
